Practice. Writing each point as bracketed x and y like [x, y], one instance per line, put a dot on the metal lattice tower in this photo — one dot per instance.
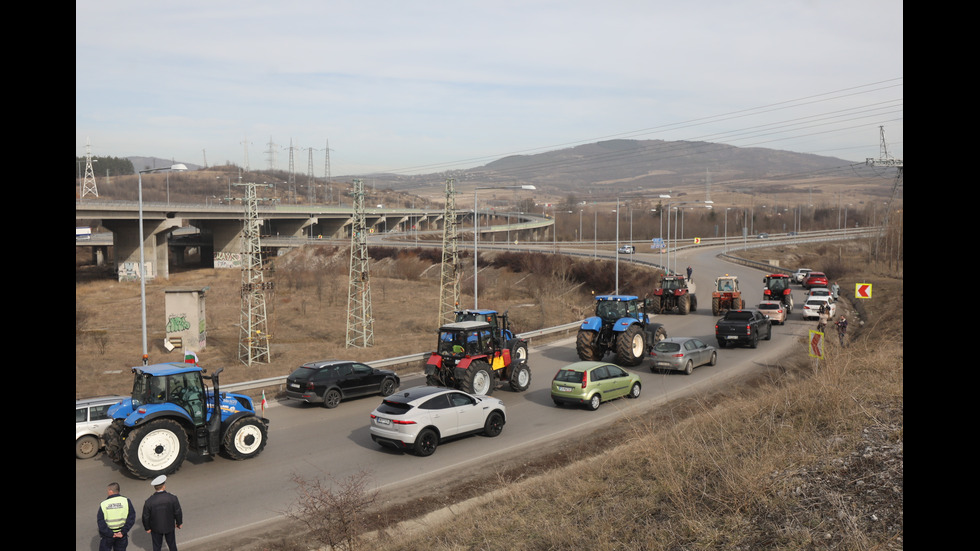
[310, 180]
[886, 160]
[88, 184]
[254, 340]
[360, 322]
[273, 155]
[292, 173]
[451, 269]
[326, 172]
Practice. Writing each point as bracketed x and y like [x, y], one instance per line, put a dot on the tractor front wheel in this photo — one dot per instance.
[520, 377]
[114, 441]
[158, 447]
[245, 438]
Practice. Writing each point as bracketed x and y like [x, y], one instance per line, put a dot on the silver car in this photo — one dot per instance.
[682, 354]
[90, 422]
[420, 418]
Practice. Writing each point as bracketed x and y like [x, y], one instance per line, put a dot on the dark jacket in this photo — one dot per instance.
[161, 513]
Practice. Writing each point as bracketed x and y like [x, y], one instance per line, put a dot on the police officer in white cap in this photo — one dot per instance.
[161, 515]
[115, 518]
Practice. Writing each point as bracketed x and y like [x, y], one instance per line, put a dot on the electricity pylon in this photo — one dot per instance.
[254, 340]
[449, 281]
[886, 160]
[360, 323]
[88, 184]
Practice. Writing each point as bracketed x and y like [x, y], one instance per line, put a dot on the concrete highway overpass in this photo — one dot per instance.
[170, 229]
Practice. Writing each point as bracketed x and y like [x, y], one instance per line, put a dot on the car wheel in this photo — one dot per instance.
[558, 403]
[769, 334]
[689, 368]
[388, 387]
[755, 341]
[494, 424]
[635, 391]
[426, 442]
[714, 359]
[595, 402]
[331, 399]
[86, 447]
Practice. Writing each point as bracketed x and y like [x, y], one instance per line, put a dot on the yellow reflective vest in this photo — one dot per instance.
[115, 511]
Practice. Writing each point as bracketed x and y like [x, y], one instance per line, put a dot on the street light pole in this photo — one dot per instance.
[181, 166]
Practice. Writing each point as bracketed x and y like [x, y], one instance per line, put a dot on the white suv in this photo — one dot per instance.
[627, 249]
[91, 421]
[419, 418]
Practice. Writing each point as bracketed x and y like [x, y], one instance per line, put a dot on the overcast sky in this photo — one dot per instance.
[430, 85]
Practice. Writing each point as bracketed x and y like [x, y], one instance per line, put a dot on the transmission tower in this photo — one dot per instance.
[360, 323]
[88, 184]
[451, 272]
[291, 179]
[326, 172]
[254, 341]
[245, 144]
[887, 161]
[273, 155]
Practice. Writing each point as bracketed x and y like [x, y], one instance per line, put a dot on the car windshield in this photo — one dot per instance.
[301, 374]
[389, 407]
[667, 347]
[569, 376]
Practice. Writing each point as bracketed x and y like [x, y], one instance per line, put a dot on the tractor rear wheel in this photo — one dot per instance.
[716, 306]
[158, 447]
[631, 346]
[683, 304]
[586, 346]
[520, 377]
[479, 379]
[244, 439]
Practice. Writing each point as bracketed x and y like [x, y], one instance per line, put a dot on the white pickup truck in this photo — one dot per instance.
[799, 276]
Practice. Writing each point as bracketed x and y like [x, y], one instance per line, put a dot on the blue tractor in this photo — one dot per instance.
[622, 326]
[172, 411]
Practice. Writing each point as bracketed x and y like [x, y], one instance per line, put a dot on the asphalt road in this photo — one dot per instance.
[221, 496]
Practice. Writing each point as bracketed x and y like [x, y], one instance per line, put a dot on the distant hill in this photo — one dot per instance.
[624, 165]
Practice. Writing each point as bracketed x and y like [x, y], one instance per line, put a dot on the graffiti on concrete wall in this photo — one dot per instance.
[177, 323]
[227, 260]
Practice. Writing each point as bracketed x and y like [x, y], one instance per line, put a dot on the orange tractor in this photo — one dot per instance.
[726, 295]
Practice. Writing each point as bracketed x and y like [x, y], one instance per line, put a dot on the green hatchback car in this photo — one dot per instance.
[591, 383]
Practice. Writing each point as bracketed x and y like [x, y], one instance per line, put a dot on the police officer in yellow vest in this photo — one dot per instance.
[116, 516]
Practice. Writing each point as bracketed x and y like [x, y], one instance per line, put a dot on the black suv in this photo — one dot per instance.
[329, 382]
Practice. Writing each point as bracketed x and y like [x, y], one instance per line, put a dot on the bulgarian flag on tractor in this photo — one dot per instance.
[190, 357]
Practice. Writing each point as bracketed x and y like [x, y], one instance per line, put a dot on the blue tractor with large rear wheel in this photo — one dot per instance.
[171, 411]
[622, 326]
